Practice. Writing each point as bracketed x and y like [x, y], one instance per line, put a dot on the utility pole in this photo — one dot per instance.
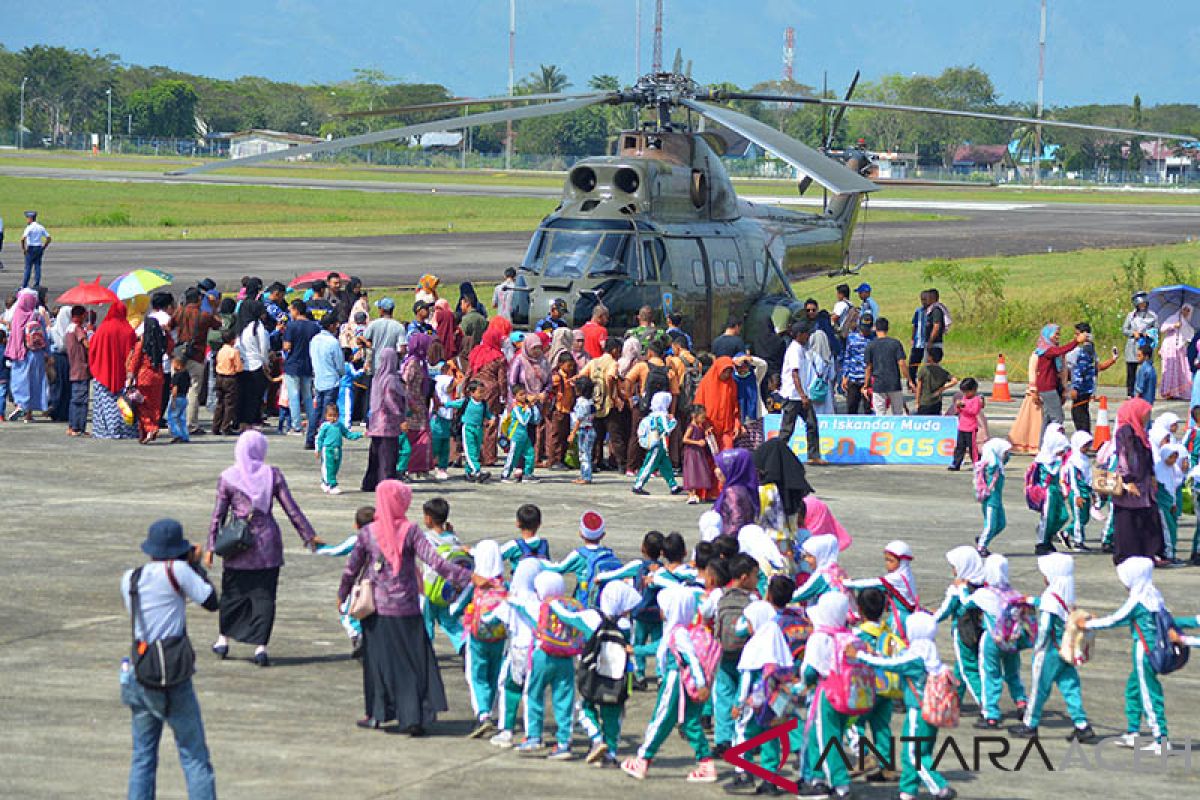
[1037, 140]
[657, 65]
[108, 135]
[21, 124]
[512, 57]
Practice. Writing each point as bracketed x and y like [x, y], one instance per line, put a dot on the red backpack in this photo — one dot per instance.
[939, 701]
[556, 637]
[35, 335]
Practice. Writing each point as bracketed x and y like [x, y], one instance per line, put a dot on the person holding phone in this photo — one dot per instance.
[1084, 368]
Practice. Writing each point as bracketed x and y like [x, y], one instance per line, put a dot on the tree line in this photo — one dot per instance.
[66, 92]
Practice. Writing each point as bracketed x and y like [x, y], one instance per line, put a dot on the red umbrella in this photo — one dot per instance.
[309, 278]
[87, 294]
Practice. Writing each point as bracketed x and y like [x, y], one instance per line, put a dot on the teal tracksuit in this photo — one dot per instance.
[520, 448]
[1079, 501]
[811, 590]
[657, 460]
[672, 698]
[329, 448]
[440, 431]
[916, 757]
[997, 669]
[1055, 515]
[435, 615]
[966, 658]
[824, 723]
[1049, 670]
[747, 727]
[600, 721]
[1143, 690]
[1168, 512]
[879, 719]
[994, 518]
[556, 673]
[482, 662]
[473, 419]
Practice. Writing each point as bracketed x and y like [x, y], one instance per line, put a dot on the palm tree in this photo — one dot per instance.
[549, 79]
[605, 83]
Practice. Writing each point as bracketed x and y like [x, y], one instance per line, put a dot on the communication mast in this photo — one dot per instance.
[789, 54]
[657, 66]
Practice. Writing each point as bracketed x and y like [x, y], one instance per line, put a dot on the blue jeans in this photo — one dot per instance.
[321, 398]
[585, 440]
[177, 418]
[33, 263]
[77, 416]
[300, 395]
[178, 708]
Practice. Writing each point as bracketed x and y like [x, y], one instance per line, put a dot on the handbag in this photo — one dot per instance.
[362, 596]
[1107, 482]
[818, 390]
[233, 538]
[133, 396]
[163, 663]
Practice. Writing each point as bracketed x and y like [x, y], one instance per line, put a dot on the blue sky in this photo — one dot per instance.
[1099, 50]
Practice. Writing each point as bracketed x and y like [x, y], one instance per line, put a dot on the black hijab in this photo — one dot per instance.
[154, 342]
[466, 289]
[250, 311]
[777, 464]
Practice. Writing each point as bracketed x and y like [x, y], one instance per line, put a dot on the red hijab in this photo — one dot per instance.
[490, 344]
[1134, 413]
[719, 396]
[110, 346]
[447, 329]
[391, 526]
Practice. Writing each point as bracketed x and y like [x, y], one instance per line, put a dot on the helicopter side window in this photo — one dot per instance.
[698, 272]
[649, 262]
[718, 273]
[734, 273]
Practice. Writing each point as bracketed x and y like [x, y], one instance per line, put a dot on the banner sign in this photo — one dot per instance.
[865, 439]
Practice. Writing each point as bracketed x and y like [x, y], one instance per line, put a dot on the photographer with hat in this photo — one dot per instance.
[157, 685]
[1140, 327]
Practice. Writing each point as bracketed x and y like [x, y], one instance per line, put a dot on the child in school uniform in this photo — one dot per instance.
[821, 555]
[484, 653]
[549, 671]
[1106, 457]
[660, 424]
[514, 669]
[524, 416]
[602, 721]
[583, 427]
[527, 544]
[441, 534]
[589, 560]
[899, 585]
[346, 391]
[968, 576]
[329, 448]
[1078, 475]
[989, 487]
[737, 593]
[475, 414]
[828, 615]
[877, 633]
[441, 424]
[1143, 690]
[1168, 474]
[699, 473]
[997, 668]
[675, 654]
[758, 544]
[915, 665]
[1050, 461]
[1049, 669]
[362, 518]
[647, 621]
[969, 408]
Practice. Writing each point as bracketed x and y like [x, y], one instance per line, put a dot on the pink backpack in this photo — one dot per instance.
[1035, 492]
[556, 637]
[708, 653]
[483, 602]
[850, 686]
[939, 703]
[984, 487]
[1016, 624]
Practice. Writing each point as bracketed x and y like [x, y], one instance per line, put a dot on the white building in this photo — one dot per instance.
[255, 142]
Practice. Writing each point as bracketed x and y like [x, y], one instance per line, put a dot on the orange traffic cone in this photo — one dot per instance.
[1103, 431]
[1000, 393]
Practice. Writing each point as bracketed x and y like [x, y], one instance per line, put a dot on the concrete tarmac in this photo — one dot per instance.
[75, 512]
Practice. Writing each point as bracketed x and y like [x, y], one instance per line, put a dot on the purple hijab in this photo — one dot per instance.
[418, 355]
[250, 474]
[737, 465]
[387, 393]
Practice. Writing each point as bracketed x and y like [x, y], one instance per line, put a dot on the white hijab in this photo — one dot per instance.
[678, 607]
[522, 586]
[1137, 574]
[58, 331]
[824, 549]
[1159, 438]
[1169, 476]
[1079, 457]
[993, 451]
[922, 637]
[1059, 595]
[995, 578]
[967, 564]
[756, 543]
[710, 526]
[828, 612]
[549, 585]
[488, 563]
[901, 579]
[441, 385]
[618, 598]
[660, 403]
[768, 645]
[1165, 420]
[1053, 444]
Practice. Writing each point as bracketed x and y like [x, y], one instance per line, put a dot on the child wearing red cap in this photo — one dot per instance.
[588, 561]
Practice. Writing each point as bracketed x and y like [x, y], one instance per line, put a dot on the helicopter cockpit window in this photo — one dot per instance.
[718, 273]
[653, 255]
[575, 248]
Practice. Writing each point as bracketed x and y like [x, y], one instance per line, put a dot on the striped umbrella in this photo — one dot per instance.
[140, 281]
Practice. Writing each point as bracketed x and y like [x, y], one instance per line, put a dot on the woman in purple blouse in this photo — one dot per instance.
[400, 674]
[386, 422]
[249, 580]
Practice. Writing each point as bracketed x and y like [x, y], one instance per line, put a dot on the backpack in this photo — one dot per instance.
[1035, 492]
[776, 695]
[1016, 624]
[599, 559]
[1166, 656]
[836, 577]
[887, 643]
[556, 637]
[35, 335]
[647, 609]
[708, 652]
[484, 601]
[541, 551]
[796, 628]
[945, 316]
[848, 321]
[729, 611]
[850, 685]
[603, 673]
[970, 628]
[692, 373]
[939, 701]
[506, 429]
[657, 380]
[984, 487]
[437, 590]
[646, 435]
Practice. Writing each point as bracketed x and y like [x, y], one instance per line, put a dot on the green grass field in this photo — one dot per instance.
[86, 211]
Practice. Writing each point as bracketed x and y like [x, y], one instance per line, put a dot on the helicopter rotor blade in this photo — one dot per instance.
[502, 100]
[841, 112]
[946, 112]
[451, 124]
[823, 170]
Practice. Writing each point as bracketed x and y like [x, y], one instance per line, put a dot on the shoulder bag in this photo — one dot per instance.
[163, 663]
[234, 537]
[362, 596]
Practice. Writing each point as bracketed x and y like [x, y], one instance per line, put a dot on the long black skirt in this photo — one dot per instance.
[381, 461]
[248, 604]
[60, 390]
[252, 387]
[401, 680]
[1136, 532]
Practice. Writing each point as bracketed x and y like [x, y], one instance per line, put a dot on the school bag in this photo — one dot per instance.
[1016, 624]
[888, 644]
[796, 628]
[35, 335]
[506, 430]
[647, 609]
[646, 435]
[528, 551]
[850, 685]
[984, 487]
[603, 675]
[657, 380]
[598, 559]
[483, 602]
[692, 373]
[1166, 656]
[729, 610]
[556, 637]
[1035, 492]
[939, 702]
[708, 651]
[970, 628]
[776, 695]
[437, 590]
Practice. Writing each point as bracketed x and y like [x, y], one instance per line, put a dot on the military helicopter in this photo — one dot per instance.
[659, 224]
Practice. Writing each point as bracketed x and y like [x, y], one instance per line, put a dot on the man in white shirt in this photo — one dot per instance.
[164, 586]
[797, 376]
[502, 294]
[34, 242]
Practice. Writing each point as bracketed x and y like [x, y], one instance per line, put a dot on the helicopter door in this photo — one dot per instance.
[693, 290]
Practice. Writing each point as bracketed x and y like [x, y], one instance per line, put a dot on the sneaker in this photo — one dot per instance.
[1080, 547]
[640, 491]
[324, 487]
[1195, 560]
[1044, 549]
[953, 469]
[1066, 540]
[469, 478]
[1106, 548]
[630, 473]
[508, 479]
[635, 767]
[741, 782]
[705, 772]
[1084, 735]
[483, 477]
[678, 490]
[640, 684]
[441, 475]
[1127, 740]
[335, 490]
[1158, 748]
[946, 794]
[561, 753]
[597, 753]
[769, 790]
[841, 793]
[15, 415]
[1023, 731]
[609, 760]
[484, 727]
[813, 791]
[502, 739]
[531, 747]
[530, 479]
[987, 724]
